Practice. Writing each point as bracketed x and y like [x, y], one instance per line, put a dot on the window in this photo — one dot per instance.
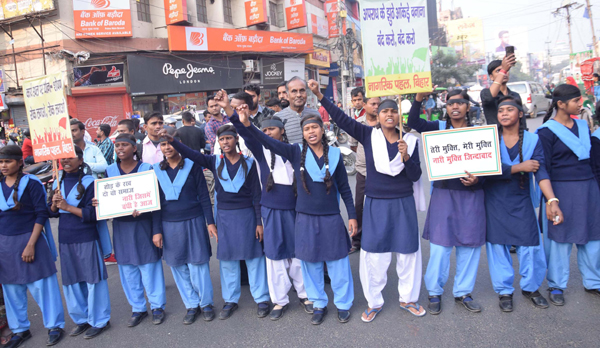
[280, 16]
[201, 10]
[143, 10]
[273, 13]
[227, 11]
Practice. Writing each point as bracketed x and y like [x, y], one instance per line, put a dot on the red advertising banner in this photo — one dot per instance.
[236, 40]
[101, 18]
[295, 14]
[175, 11]
[332, 10]
[256, 12]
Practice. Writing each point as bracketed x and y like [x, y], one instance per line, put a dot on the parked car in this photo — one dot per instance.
[534, 97]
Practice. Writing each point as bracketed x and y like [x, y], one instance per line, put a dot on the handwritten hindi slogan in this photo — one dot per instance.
[121, 195]
[448, 153]
[395, 38]
[48, 118]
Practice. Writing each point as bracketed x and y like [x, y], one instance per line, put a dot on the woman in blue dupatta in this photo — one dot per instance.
[28, 251]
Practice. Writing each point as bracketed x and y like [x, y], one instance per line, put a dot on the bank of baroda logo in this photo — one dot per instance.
[101, 3]
[196, 39]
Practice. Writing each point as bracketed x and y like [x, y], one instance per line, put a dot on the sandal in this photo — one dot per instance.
[410, 305]
[369, 312]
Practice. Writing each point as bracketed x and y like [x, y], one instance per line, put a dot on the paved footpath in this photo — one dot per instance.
[574, 325]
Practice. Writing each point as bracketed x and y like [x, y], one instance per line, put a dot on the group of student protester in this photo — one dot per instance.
[279, 211]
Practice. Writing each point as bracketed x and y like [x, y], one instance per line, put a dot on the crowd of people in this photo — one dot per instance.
[277, 211]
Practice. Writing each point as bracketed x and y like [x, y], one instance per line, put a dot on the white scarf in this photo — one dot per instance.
[283, 172]
[383, 164]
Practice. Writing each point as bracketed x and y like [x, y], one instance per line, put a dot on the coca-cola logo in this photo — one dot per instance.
[96, 122]
[101, 3]
[197, 38]
[114, 72]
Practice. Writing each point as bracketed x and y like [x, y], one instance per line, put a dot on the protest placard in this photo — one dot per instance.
[395, 38]
[48, 118]
[449, 153]
[121, 195]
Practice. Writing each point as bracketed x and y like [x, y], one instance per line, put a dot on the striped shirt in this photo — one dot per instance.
[108, 149]
[291, 119]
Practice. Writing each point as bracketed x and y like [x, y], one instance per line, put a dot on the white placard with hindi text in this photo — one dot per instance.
[121, 195]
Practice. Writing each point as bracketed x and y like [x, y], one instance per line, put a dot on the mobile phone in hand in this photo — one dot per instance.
[509, 50]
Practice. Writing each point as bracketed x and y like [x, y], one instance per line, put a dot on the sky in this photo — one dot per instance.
[536, 15]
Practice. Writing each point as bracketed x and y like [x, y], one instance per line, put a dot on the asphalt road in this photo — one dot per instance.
[574, 325]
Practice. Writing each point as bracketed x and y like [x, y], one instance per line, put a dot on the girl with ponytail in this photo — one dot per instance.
[27, 249]
[139, 260]
[278, 204]
[181, 229]
[456, 215]
[321, 235]
[83, 242]
[510, 202]
[238, 215]
[567, 145]
[392, 193]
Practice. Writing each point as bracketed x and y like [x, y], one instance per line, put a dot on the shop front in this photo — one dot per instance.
[170, 84]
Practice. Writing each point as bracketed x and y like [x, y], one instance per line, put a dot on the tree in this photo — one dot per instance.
[445, 67]
[517, 75]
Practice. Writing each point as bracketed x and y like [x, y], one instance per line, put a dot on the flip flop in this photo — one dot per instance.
[410, 305]
[369, 312]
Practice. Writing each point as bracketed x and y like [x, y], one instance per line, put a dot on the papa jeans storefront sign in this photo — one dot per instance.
[149, 75]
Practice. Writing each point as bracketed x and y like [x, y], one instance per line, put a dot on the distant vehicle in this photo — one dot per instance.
[534, 97]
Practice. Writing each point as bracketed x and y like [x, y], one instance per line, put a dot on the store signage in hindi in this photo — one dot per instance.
[121, 195]
[169, 75]
[272, 71]
[175, 11]
[98, 75]
[236, 40]
[295, 14]
[101, 18]
[318, 25]
[14, 8]
[449, 153]
[318, 58]
[256, 12]
[395, 40]
[332, 11]
[48, 118]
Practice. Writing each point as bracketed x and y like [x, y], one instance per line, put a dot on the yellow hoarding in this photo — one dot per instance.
[15, 8]
[466, 36]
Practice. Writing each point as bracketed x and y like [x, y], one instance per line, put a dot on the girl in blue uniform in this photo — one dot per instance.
[390, 222]
[456, 215]
[139, 260]
[278, 204]
[82, 243]
[237, 196]
[595, 154]
[510, 203]
[321, 236]
[182, 231]
[567, 146]
[28, 251]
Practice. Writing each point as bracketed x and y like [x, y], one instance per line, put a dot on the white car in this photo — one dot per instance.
[533, 96]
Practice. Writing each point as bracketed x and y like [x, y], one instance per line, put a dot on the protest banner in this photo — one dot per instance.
[395, 38]
[449, 153]
[121, 195]
[48, 118]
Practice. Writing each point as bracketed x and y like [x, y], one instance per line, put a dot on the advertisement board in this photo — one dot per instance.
[14, 8]
[295, 14]
[98, 75]
[256, 12]
[466, 37]
[176, 11]
[102, 18]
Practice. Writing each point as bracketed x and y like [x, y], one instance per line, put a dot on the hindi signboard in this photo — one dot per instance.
[121, 195]
[102, 18]
[449, 153]
[256, 12]
[395, 38]
[48, 118]
[176, 11]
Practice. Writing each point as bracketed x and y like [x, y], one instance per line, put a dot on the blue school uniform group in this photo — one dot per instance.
[305, 224]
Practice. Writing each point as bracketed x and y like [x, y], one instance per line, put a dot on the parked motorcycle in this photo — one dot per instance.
[43, 171]
[334, 138]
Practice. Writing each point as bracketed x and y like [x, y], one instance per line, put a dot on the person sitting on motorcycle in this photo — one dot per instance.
[27, 147]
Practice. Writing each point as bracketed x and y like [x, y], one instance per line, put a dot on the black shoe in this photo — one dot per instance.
[593, 291]
[276, 314]
[538, 300]
[18, 339]
[190, 316]
[136, 318]
[556, 297]
[54, 336]
[264, 308]
[228, 310]
[308, 307]
[343, 316]
[468, 303]
[513, 249]
[506, 303]
[354, 249]
[435, 304]
[208, 313]
[79, 329]
[95, 331]
[318, 316]
[158, 316]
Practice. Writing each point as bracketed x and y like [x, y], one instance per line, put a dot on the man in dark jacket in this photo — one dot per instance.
[189, 134]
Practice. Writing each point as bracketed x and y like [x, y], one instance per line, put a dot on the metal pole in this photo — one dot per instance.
[342, 60]
[589, 9]
[43, 48]
[569, 26]
[14, 56]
